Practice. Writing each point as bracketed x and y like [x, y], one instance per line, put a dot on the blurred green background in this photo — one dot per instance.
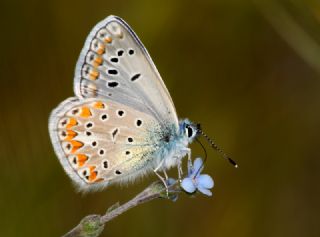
[249, 71]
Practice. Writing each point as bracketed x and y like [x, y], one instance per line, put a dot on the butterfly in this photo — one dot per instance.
[122, 123]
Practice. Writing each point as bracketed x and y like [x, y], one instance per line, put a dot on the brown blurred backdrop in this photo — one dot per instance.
[249, 71]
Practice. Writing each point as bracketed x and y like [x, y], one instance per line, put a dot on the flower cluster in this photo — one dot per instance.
[197, 181]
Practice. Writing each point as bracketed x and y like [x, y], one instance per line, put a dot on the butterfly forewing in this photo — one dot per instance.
[115, 65]
[99, 141]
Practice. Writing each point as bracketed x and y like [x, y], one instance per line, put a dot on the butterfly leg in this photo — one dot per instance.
[180, 171]
[165, 175]
[164, 180]
[189, 157]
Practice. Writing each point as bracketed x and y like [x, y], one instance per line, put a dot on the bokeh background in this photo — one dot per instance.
[249, 71]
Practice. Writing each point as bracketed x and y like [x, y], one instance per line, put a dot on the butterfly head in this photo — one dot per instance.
[189, 130]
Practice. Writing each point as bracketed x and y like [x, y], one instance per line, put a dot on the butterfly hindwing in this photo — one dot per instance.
[114, 65]
[99, 141]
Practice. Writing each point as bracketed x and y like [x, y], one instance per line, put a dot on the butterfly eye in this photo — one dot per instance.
[189, 131]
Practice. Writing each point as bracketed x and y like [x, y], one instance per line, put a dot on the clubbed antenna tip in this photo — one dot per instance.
[233, 162]
[214, 146]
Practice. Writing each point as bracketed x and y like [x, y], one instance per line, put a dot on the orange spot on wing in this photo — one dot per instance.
[70, 135]
[98, 61]
[82, 159]
[94, 75]
[98, 105]
[108, 40]
[75, 145]
[101, 50]
[85, 112]
[93, 176]
[72, 122]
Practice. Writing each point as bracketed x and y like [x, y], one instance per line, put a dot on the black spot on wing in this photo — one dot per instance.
[112, 72]
[113, 84]
[114, 133]
[135, 77]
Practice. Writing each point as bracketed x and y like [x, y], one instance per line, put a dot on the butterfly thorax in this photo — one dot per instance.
[171, 144]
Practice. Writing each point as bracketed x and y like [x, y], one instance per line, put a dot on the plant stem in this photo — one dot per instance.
[93, 225]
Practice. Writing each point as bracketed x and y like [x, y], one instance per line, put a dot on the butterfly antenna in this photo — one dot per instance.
[205, 157]
[204, 149]
[214, 146]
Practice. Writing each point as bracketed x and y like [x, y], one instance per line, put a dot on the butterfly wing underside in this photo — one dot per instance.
[99, 142]
[114, 64]
[101, 136]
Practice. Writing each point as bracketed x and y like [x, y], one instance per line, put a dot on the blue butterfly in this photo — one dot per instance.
[121, 124]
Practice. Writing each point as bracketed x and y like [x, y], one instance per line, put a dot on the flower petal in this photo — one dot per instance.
[197, 165]
[205, 181]
[205, 191]
[188, 185]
